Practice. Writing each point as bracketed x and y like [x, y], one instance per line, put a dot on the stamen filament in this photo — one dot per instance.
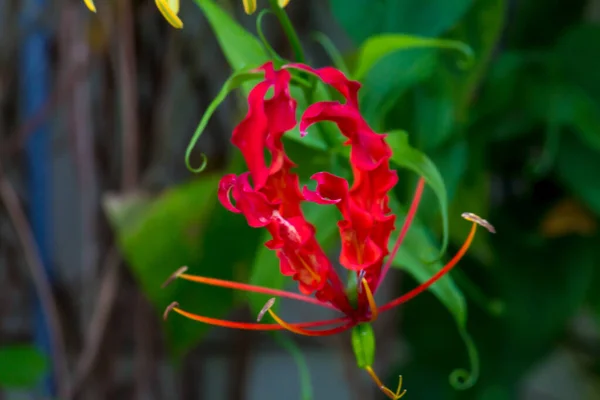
[296, 328]
[370, 300]
[447, 268]
[244, 286]
[384, 389]
[412, 211]
[248, 325]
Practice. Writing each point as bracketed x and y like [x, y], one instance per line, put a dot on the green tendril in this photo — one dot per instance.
[332, 51]
[289, 31]
[461, 379]
[234, 81]
[279, 61]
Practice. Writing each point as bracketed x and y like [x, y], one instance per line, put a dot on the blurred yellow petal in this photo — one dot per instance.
[249, 6]
[90, 5]
[174, 5]
[566, 218]
[283, 3]
[164, 6]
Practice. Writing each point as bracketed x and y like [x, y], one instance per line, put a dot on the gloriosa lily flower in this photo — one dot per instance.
[269, 196]
[170, 8]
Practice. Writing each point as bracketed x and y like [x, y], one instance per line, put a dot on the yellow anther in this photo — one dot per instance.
[169, 10]
[249, 6]
[90, 5]
[479, 221]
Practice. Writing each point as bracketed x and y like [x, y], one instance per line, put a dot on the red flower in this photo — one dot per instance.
[269, 196]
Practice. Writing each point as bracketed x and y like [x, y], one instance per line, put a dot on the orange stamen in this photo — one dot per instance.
[295, 328]
[245, 325]
[311, 271]
[243, 286]
[384, 389]
[412, 211]
[447, 268]
[370, 300]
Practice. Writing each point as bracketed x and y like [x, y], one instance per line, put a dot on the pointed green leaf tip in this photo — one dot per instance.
[363, 344]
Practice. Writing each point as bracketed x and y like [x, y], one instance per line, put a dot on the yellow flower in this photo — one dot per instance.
[250, 5]
[168, 8]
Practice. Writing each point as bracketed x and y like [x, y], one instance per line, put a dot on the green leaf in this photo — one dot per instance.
[184, 226]
[21, 366]
[573, 107]
[575, 163]
[405, 156]
[363, 344]
[384, 86]
[241, 48]
[364, 18]
[417, 247]
[291, 347]
[575, 58]
[376, 48]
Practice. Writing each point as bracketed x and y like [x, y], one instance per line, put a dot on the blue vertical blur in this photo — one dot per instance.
[34, 90]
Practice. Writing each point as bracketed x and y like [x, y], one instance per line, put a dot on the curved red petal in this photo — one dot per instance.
[223, 193]
[334, 77]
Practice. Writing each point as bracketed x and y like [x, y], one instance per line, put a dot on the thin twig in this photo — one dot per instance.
[128, 85]
[99, 320]
[10, 199]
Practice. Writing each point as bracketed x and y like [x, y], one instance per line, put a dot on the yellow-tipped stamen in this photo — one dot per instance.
[479, 221]
[169, 308]
[174, 276]
[383, 388]
[266, 308]
[90, 5]
[180, 274]
[169, 10]
[249, 6]
[297, 330]
[448, 267]
[371, 300]
[174, 306]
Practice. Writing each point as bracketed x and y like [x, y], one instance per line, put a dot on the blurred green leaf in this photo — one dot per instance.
[481, 29]
[241, 48]
[376, 48]
[21, 366]
[185, 226]
[303, 371]
[364, 18]
[414, 256]
[575, 164]
[389, 80]
[415, 249]
[406, 156]
[572, 107]
[576, 58]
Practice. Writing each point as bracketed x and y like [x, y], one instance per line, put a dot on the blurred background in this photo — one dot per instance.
[97, 207]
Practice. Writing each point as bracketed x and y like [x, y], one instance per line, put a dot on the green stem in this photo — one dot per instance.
[289, 30]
